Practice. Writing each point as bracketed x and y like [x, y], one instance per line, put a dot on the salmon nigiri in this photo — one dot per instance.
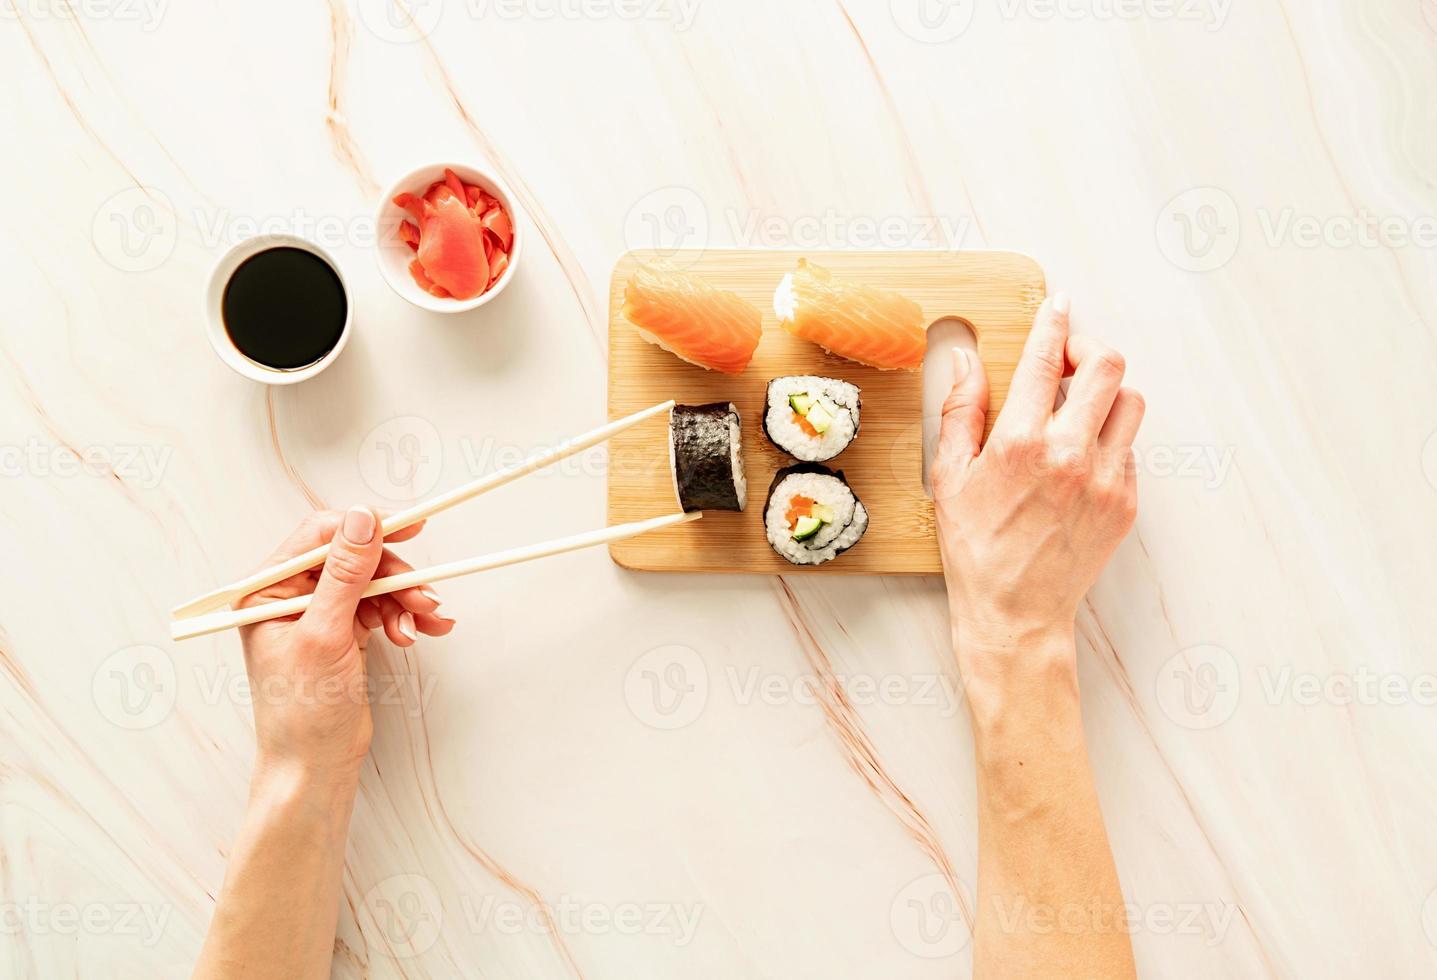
[873, 326]
[690, 318]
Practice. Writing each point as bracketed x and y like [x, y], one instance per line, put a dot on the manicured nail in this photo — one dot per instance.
[1061, 303]
[359, 525]
[406, 625]
[429, 594]
[961, 364]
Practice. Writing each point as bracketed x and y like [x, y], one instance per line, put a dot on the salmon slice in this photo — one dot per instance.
[690, 318]
[872, 326]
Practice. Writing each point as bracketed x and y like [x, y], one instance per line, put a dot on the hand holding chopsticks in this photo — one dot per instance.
[188, 621]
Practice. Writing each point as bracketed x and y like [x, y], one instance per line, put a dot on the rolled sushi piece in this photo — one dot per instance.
[706, 454]
[811, 418]
[812, 515]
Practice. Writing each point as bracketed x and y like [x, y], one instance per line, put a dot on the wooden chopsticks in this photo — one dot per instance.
[189, 619]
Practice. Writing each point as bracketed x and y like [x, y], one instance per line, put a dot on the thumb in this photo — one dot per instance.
[353, 556]
[960, 435]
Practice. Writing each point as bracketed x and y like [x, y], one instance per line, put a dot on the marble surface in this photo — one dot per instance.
[607, 774]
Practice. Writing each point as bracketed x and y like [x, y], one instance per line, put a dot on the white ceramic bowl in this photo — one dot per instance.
[394, 256]
[214, 311]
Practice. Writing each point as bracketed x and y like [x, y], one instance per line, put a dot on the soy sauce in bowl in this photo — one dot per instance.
[284, 308]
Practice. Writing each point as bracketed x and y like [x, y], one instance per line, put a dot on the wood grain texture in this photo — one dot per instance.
[996, 293]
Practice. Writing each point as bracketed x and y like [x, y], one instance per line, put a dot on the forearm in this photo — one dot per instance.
[1049, 900]
[278, 908]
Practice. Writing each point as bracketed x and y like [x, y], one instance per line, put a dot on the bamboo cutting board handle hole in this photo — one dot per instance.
[943, 336]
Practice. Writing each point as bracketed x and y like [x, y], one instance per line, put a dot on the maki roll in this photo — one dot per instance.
[812, 419]
[812, 515]
[706, 454]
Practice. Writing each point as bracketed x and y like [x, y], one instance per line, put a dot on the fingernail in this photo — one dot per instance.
[406, 625]
[1061, 303]
[429, 594]
[359, 525]
[961, 364]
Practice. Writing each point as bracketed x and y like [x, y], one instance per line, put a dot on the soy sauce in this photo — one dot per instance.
[284, 308]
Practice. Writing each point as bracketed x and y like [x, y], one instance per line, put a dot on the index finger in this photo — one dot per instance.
[1040, 369]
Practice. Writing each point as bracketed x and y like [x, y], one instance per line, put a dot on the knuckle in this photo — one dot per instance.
[1110, 362]
[1024, 442]
[1135, 398]
[1046, 359]
[956, 404]
[346, 567]
[1070, 464]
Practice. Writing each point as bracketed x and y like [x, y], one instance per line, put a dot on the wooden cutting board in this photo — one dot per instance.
[996, 293]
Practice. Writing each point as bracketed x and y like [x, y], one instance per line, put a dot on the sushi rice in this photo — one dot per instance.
[786, 428]
[827, 489]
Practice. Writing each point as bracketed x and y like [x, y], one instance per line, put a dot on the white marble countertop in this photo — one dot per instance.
[607, 774]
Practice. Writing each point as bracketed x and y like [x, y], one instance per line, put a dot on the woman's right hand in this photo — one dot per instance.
[1027, 521]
